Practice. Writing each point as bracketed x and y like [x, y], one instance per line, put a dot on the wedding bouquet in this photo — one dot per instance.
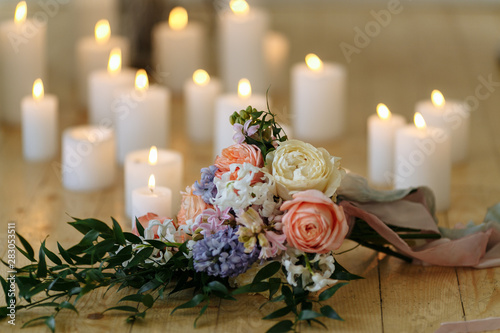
[266, 218]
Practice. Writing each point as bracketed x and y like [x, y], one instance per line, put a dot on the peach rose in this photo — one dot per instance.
[240, 154]
[313, 223]
[191, 206]
[144, 221]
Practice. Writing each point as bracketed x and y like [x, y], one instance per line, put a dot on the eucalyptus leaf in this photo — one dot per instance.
[281, 327]
[279, 313]
[117, 230]
[309, 314]
[267, 271]
[29, 250]
[196, 300]
[327, 311]
[330, 291]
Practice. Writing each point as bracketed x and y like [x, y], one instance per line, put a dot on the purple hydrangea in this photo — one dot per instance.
[206, 188]
[221, 254]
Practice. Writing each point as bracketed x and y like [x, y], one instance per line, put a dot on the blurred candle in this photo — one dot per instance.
[423, 158]
[178, 49]
[39, 124]
[92, 54]
[142, 117]
[276, 50]
[318, 99]
[23, 60]
[200, 93]
[381, 130]
[242, 32]
[102, 86]
[452, 116]
[151, 199]
[167, 165]
[88, 12]
[226, 105]
[88, 162]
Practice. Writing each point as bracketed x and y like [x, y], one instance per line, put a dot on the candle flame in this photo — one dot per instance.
[419, 120]
[115, 61]
[38, 92]
[437, 98]
[201, 77]
[244, 88]
[178, 18]
[153, 155]
[151, 183]
[21, 12]
[239, 7]
[383, 111]
[102, 31]
[141, 80]
[314, 62]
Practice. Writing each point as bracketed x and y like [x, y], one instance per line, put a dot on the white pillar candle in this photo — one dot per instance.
[226, 105]
[168, 167]
[151, 199]
[39, 124]
[88, 162]
[382, 128]
[200, 94]
[276, 50]
[318, 98]
[23, 60]
[88, 12]
[241, 36]
[423, 158]
[178, 49]
[92, 54]
[142, 117]
[103, 84]
[452, 116]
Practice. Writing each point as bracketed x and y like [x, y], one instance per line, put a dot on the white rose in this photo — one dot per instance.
[299, 166]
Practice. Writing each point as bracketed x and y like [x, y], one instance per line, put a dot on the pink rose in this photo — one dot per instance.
[240, 154]
[144, 221]
[191, 206]
[313, 223]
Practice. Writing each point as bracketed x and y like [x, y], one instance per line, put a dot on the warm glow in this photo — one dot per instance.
[38, 89]
[201, 77]
[151, 183]
[153, 155]
[178, 18]
[102, 31]
[437, 98]
[21, 12]
[244, 88]
[239, 7]
[383, 111]
[141, 80]
[314, 62]
[115, 61]
[419, 120]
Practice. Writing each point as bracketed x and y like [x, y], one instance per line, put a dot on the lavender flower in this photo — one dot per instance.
[221, 254]
[241, 131]
[206, 188]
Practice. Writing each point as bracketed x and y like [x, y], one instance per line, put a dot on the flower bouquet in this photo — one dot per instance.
[265, 218]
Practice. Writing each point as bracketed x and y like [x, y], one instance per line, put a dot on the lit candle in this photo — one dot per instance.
[23, 60]
[423, 158]
[241, 36]
[167, 165]
[142, 117]
[200, 93]
[39, 124]
[88, 162]
[92, 54]
[226, 105]
[88, 12]
[178, 42]
[318, 98]
[151, 199]
[381, 130]
[452, 116]
[103, 84]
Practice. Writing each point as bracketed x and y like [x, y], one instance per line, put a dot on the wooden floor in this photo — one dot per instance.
[449, 47]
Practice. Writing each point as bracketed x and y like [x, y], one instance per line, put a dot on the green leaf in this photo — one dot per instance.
[150, 285]
[196, 300]
[327, 311]
[279, 313]
[117, 230]
[42, 265]
[268, 271]
[51, 323]
[202, 311]
[330, 291]
[64, 254]
[30, 322]
[132, 298]
[85, 225]
[148, 300]
[3, 312]
[281, 327]
[132, 238]
[341, 273]
[217, 286]
[122, 308]
[156, 243]
[252, 288]
[27, 247]
[318, 322]
[274, 286]
[51, 255]
[5, 287]
[139, 227]
[309, 314]
[68, 305]
[140, 257]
